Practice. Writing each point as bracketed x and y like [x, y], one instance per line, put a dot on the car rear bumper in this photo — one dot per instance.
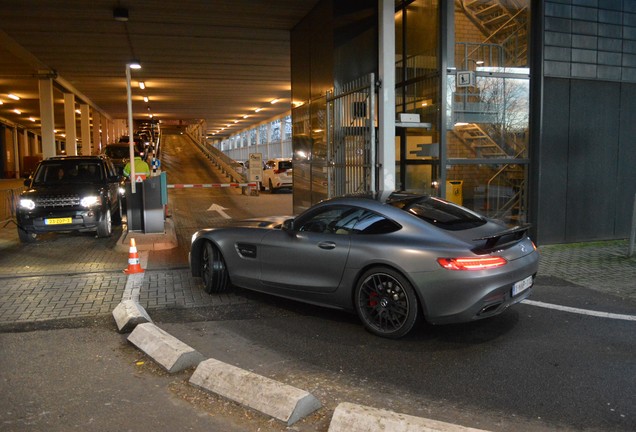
[447, 298]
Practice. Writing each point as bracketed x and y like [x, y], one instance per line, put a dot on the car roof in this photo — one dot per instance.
[78, 157]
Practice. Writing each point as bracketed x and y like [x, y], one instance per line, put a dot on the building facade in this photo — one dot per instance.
[519, 109]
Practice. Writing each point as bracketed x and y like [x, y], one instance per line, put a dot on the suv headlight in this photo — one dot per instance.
[89, 201]
[26, 203]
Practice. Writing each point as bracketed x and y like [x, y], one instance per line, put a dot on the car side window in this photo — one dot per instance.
[344, 220]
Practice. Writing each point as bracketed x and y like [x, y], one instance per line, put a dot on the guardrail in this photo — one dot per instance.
[224, 164]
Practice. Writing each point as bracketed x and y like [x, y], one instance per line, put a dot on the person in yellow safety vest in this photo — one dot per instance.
[141, 168]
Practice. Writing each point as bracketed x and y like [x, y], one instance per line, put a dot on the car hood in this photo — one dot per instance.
[61, 189]
[274, 222]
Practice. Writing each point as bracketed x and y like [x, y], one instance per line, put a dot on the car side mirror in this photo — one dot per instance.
[288, 225]
[27, 182]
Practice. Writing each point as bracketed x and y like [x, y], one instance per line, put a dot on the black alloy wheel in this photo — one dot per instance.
[386, 303]
[213, 271]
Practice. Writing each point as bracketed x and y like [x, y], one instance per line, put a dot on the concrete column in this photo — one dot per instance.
[47, 117]
[97, 135]
[386, 105]
[85, 121]
[69, 124]
[16, 153]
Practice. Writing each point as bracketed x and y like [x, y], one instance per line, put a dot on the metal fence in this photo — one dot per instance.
[351, 138]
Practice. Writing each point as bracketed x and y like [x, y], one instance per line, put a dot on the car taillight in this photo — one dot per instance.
[485, 263]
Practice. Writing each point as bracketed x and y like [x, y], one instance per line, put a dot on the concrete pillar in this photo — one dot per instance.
[69, 124]
[386, 105]
[97, 135]
[16, 153]
[47, 117]
[85, 121]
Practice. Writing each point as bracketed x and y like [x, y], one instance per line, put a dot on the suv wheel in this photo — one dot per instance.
[105, 227]
[26, 236]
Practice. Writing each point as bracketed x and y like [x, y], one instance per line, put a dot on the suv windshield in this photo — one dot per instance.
[69, 171]
[440, 213]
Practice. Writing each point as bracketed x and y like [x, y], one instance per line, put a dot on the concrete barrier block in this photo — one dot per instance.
[348, 417]
[128, 314]
[281, 401]
[166, 350]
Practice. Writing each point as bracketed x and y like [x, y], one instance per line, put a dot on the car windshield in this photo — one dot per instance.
[69, 171]
[117, 152]
[440, 213]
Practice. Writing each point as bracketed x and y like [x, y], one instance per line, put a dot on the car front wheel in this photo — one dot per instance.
[105, 227]
[386, 303]
[213, 270]
[26, 236]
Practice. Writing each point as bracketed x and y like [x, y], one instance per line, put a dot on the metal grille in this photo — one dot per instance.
[56, 201]
[351, 137]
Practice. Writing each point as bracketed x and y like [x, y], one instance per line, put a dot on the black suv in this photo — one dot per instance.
[70, 193]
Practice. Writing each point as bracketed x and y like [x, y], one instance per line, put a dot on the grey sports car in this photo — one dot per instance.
[392, 258]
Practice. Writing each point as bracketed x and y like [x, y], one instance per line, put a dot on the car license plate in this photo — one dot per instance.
[521, 286]
[58, 221]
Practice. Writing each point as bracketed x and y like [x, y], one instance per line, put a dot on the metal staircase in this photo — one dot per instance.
[478, 141]
[503, 22]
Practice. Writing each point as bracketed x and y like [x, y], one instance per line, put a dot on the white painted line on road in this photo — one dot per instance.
[580, 311]
[135, 280]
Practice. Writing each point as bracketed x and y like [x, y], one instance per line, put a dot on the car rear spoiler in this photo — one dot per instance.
[502, 238]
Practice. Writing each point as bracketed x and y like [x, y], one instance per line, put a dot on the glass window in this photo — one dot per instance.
[440, 213]
[343, 220]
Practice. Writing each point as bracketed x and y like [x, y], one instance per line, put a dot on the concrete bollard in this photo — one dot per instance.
[166, 350]
[281, 401]
[349, 417]
[128, 314]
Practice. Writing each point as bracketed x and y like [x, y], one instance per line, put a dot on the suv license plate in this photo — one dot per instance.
[58, 221]
[521, 286]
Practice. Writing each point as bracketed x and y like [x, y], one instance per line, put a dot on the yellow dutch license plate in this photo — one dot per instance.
[58, 221]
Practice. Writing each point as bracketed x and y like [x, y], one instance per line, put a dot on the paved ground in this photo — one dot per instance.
[41, 284]
[42, 288]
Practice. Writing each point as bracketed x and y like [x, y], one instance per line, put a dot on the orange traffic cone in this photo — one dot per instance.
[133, 259]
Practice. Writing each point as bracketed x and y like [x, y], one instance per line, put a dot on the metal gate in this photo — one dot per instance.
[351, 137]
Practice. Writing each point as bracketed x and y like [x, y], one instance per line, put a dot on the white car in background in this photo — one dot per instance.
[277, 174]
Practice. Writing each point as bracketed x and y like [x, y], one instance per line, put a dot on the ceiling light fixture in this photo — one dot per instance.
[120, 14]
[245, 116]
[17, 111]
[146, 99]
[258, 109]
[12, 96]
[274, 101]
[142, 85]
[134, 64]
[32, 119]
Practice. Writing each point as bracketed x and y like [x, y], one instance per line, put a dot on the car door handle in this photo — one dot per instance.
[327, 245]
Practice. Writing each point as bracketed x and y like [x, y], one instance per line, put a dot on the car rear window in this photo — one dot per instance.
[284, 165]
[440, 213]
[117, 152]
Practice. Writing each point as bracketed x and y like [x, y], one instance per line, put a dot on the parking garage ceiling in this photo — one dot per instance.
[212, 60]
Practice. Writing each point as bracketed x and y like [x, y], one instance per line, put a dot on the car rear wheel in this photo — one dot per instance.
[105, 227]
[213, 271]
[386, 303]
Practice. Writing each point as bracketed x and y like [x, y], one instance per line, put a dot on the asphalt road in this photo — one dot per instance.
[530, 369]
